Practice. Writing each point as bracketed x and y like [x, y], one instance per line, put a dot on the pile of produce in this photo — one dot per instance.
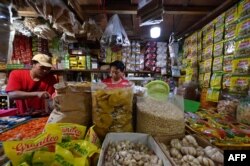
[187, 152]
[129, 153]
[112, 110]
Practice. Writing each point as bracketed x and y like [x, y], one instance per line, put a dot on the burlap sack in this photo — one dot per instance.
[72, 103]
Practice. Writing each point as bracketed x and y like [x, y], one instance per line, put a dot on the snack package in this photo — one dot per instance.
[228, 63]
[219, 34]
[218, 63]
[243, 29]
[244, 9]
[92, 137]
[218, 49]
[201, 78]
[239, 84]
[70, 131]
[243, 111]
[208, 65]
[213, 95]
[209, 38]
[241, 66]
[22, 151]
[228, 107]
[219, 21]
[206, 80]
[231, 15]
[215, 82]
[242, 48]
[208, 28]
[207, 52]
[230, 31]
[226, 81]
[229, 47]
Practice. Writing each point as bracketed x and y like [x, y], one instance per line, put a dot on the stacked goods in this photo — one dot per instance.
[150, 56]
[188, 152]
[159, 118]
[112, 109]
[77, 110]
[135, 61]
[161, 59]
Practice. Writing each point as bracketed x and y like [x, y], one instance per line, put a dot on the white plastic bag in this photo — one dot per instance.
[173, 46]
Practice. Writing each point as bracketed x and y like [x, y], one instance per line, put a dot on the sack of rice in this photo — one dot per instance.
[112, 109]
[160, 118]
[72, 103]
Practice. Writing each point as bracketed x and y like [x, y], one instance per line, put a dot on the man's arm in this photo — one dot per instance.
[24, 95]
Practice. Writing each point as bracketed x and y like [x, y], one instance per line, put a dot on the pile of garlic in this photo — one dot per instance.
[129, 153]
[187, 152]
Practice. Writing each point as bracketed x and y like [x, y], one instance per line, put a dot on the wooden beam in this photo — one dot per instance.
[209, 17]
[76, 8]
[27, 12]
[111, 9]
[192, 10]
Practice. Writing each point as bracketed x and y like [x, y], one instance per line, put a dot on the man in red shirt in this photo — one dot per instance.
[117, 74]
[30, 88]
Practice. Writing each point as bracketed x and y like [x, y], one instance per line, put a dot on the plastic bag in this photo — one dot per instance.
[215, 82]
[218, 63]
[242, 48]
[218, 49]
[218, 34]
[114, 35]
[173, 46]
[228, 63]
[243, 111]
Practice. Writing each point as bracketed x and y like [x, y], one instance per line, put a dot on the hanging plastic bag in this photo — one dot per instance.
[114, 35]
[173, 46]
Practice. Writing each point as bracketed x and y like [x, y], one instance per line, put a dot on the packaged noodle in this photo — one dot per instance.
[215, 82]
[239, 84]
[231, 15]
[242, 48]
[70, 131]
[244, 9]
[112, 108]
[229, 47]
[206, 80]
[230, 31]
[208, 52]
[218, 49]
[243, 29]
[218, 63]
[208, 65]
[241, 66]
[226, 81]
[219, 34]
[228, 63]
[219, 21]
[23, 151]
[213, 95]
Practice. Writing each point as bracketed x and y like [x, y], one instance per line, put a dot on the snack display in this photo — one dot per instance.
[243, 29]
[218, 49]
[218, 63]
[243, 9]
[112, 109]
[242, 48]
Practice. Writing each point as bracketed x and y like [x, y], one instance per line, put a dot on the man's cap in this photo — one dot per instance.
[43, 59]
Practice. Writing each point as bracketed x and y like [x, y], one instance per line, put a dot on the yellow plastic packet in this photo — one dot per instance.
[231, 15]
[243, 29]
[242, 48]
[218, 63]
[43, 158]
[215, 82]
[206, 80]
[22, 151]
[208, 65]
[241, 66]
[70, 131]
[239, 84]
[92, 137]
[213, 95]
[207, 53]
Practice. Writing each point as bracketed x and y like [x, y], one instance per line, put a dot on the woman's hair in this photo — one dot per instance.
[118, 65]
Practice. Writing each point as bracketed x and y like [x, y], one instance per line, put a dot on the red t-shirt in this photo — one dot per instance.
[21, 80]
[122, 83]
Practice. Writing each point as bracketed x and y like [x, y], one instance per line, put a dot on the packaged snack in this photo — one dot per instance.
[244, 9]
[242, 48]
[243, 111]
[219, 34]
[243, 29]
[70, 131]
[219, 21]
[230, 31]
[92, 137]
[239, 84]
[206, 80]
[208, 65]
[201, 78]
[231, 15]
[226, 81]
[22, 151]
[209, 38]
[241, 66]
[218, 49]
[228, 107]
[202, 67]
[207, 53]
[228, 63]
[218, 63]
[229, 47]
[204, 103]
[215, 82]
[213, 95]
[208, 28]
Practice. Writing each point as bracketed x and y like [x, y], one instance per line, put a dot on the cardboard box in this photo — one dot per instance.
[133, 137]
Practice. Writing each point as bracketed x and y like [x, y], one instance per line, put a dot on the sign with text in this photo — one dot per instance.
[237, 157]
